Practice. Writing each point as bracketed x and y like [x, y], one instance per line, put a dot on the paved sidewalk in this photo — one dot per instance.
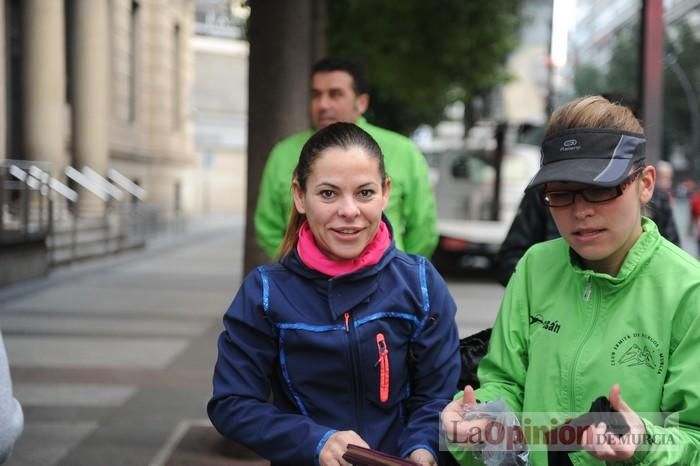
[112, 359]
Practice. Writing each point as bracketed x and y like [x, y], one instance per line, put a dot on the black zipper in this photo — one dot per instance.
[356, 370]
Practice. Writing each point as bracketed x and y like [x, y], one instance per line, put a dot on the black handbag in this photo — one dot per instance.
[472, 349]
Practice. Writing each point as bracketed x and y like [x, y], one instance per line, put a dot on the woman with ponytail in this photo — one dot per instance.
[355, 340]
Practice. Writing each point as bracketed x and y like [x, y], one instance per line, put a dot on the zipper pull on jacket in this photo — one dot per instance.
[587, 291]
[383, 363]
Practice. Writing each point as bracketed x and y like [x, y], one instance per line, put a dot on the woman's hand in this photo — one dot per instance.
[608, 446]
[459, 430]
[422, 457]
[336, 445]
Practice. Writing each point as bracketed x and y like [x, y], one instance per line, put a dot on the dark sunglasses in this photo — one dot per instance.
[593, 194]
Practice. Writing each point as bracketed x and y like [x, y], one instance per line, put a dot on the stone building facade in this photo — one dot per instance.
[220, 105]
[103, 84]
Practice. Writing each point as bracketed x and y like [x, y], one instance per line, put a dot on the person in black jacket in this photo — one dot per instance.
[533, 224]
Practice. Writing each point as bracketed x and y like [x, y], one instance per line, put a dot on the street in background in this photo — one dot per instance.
[464, 181]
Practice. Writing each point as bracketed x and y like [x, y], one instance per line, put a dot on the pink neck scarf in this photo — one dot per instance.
[315, 259]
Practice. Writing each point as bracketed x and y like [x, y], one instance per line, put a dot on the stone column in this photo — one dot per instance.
[89, 86]
[90, 92]
[44, 83]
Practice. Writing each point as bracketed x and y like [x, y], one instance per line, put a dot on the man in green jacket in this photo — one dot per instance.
[339, 92]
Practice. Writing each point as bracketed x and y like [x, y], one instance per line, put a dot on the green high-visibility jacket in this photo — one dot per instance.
[565, 335]
[411, 208]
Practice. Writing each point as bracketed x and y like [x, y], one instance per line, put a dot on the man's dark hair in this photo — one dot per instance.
[359, 78]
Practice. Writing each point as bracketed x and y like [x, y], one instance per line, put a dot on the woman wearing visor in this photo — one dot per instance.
[610, 309]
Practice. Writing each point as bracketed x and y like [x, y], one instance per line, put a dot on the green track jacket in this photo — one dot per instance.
[411, 208]
[564, 336]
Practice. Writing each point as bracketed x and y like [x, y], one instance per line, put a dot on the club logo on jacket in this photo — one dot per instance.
[638, 350]
[549, 325]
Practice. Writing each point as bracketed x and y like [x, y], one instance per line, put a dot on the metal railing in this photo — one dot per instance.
[25, 206]
[36, 207]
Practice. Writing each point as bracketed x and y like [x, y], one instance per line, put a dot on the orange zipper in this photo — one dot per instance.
[383, 362]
